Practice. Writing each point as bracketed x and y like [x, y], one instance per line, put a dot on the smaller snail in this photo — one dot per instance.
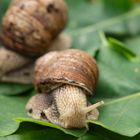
[30, 26]
[64, 80]
[29, 29]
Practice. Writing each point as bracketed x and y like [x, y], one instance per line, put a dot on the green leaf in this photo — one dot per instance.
[109, 135]
[115, 67]
[10, 108]
[90, 136]
[87, 37]
[119, 88]
[14, 89]
[30, 131]
[121, 115]
[117, 6]
[120, 47]
[73, 132]
[3, 6]
[133, 44]
[35, 132]
[88, 17]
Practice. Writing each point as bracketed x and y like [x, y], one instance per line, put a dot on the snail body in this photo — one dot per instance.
[69, 76]
[6, 66]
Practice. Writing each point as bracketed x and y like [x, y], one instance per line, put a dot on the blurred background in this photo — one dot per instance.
[91, 23]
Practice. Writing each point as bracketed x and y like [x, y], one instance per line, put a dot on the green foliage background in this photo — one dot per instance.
[109, 31]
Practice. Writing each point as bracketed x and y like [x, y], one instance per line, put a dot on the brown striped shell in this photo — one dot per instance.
[74, 67]
[29, 26]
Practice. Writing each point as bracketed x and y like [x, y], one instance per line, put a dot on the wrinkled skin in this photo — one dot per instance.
[65, 107]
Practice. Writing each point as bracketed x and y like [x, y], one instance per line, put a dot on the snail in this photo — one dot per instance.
[63, 81]
[29, 26]
[29, 29]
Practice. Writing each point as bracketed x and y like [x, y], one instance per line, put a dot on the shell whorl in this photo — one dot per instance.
[73, 67]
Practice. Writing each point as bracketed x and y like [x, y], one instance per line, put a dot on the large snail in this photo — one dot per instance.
[29, 29]
[63, 81]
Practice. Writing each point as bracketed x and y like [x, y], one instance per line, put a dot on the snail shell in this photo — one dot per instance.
[29, 26]
[73, 67]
